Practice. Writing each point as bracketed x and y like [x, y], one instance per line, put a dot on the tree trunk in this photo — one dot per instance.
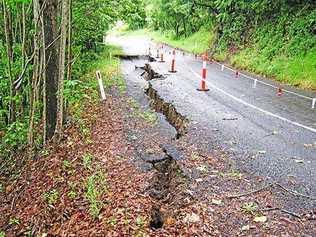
[69, 56]
[23, 35]
[35, 76]
[44, 80]
[61, 71]
[51, 78]
[9, 47]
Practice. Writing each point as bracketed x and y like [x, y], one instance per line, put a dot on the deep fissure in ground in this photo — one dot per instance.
[167, 185]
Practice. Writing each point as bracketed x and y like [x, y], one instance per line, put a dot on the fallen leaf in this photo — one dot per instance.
[202, 168]
[217, 202]
[261, 219]
[170, 221]
[299, 161]
[308, 145]
[193, 218]
[245, 227]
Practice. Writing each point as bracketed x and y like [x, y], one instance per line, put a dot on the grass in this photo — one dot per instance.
[198, 42]
[95, 188]
[295, 70]
[109, 65]
[148, 116]
[14, 221]
[87, 160]
[51, 197]
[249, 208]
[72, 194]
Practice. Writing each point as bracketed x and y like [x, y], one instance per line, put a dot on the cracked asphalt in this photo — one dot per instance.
[266, 135]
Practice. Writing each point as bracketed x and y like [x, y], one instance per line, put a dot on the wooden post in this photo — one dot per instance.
[99, 78]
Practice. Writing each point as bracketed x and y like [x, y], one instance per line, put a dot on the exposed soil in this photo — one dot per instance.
[173, 117]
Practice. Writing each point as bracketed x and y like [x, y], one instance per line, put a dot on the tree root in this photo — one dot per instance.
[293, 192]
[251, 192]
[281, 210]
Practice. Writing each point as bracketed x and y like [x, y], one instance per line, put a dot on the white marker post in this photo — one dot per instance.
[314, 103]
[255, 84]
[158, 53]
[99, 78]
[149, 52]
[223, 67]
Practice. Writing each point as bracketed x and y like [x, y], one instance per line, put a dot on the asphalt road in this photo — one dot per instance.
[267, 135]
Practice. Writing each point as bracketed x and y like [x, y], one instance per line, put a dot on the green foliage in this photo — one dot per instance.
[249, 208]
[133, 13]
[140, 221]
[14, 221]
[67, 165]
[112, 221]
[15, 136]
[2, 234]
[180, 16]
[280, 43]
[51, 197]
[72, 194]
[87, 160]
[275, 39]
[148, 115]
[95, 188]
[198, 42]
[91, 20]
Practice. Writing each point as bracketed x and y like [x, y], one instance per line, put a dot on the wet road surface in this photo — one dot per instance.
[267, 135]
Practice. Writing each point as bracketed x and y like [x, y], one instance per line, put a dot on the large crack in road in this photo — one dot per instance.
[168, 184]
[258, 143]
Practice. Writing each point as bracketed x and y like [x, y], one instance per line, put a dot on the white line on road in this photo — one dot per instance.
[255, 107]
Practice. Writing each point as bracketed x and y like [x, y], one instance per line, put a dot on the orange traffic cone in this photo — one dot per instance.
[157, 56]
[203, 78]
[280, 92]
[173, 62]
[161, 58]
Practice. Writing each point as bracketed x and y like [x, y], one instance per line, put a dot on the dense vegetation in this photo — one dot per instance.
[45, 48]
[275, 38]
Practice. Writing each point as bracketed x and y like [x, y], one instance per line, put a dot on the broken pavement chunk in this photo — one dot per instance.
[172, 152]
